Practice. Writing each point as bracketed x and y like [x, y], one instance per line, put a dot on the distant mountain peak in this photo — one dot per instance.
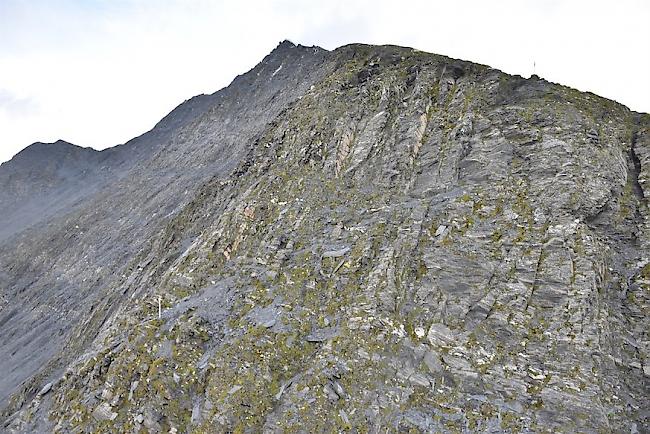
[286, 47]
[58, 142]
[286, 43]
[45, 147]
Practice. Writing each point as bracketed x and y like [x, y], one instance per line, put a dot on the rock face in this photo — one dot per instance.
[372, 239]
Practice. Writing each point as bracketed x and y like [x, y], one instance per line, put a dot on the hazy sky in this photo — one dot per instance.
[99, 72]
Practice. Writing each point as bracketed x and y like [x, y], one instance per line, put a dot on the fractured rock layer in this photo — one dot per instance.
[374, 239]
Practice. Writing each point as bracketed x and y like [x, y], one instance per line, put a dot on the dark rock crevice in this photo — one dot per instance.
[635, 167]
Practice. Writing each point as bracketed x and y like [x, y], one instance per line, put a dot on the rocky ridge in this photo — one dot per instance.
[372, 239]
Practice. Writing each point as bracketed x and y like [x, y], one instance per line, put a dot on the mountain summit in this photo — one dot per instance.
[370, 239]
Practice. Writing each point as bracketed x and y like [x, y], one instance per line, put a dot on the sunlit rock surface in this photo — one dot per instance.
[372, 239]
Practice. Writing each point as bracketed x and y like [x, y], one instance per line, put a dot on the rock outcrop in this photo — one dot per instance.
[372, 239]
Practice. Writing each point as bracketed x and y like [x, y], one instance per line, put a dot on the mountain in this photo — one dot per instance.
[372, 239]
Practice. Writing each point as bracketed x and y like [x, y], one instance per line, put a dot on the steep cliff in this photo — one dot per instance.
[370, 239]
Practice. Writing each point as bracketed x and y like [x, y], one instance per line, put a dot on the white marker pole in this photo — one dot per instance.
[159, 307]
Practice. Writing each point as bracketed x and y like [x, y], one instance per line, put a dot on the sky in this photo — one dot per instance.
[100, 72]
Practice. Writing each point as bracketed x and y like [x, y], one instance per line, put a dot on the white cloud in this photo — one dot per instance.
[99, 72]
[15, 106]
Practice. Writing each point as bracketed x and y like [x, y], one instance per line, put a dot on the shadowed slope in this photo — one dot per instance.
[371, 239]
